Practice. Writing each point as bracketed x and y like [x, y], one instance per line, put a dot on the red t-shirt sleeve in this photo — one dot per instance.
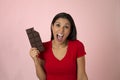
[80, 49]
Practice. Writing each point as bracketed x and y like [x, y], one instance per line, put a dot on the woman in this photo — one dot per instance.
[64, 55]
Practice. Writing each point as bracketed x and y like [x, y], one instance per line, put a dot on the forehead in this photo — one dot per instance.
[62, 20]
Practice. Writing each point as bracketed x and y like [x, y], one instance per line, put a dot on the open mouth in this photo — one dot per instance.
[60, 37]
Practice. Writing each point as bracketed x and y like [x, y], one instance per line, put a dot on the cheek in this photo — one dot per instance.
[54, 29]
[67, 32]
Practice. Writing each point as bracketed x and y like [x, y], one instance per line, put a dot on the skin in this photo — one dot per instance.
[59, 48]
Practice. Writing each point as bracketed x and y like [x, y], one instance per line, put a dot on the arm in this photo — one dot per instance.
[38, 64]
[39, 69]
[81, 74]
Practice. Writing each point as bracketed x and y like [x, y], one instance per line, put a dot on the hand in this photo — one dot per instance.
[34, 53]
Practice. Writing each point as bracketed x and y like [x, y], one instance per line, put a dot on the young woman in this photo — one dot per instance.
[64, 55]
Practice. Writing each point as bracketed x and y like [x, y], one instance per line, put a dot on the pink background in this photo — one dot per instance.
[98, 26]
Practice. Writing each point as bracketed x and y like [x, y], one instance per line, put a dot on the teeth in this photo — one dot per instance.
[60, 35]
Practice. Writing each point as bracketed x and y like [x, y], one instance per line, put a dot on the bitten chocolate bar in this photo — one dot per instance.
[35, 39]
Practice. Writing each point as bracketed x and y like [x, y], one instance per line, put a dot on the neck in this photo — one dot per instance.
[59, 45]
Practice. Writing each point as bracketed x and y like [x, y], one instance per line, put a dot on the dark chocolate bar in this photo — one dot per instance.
[35, 39]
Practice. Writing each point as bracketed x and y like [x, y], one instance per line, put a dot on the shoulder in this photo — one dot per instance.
[78, 46]
[47, 43]
[47, 46]
[76, 42]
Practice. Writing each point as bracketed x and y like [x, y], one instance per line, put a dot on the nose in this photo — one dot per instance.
[62, 29]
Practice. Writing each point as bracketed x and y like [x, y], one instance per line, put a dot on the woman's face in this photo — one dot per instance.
[61, 29]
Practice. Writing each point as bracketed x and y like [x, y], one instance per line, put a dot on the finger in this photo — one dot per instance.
[32, 49]
[38, 51]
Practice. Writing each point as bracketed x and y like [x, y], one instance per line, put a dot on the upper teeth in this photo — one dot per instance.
[60, 34]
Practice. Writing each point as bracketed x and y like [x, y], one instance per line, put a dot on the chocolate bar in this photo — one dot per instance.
[35, 39]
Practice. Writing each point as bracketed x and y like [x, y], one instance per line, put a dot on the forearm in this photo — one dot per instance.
[81, 73]
[82, 77]
[39, 69]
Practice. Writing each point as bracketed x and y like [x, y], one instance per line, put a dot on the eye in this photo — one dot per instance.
[66, 27]
[58, 25]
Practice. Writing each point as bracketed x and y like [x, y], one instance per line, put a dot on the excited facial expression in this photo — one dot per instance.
[61, 29]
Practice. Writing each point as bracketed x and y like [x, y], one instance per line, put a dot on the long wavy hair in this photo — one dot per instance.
[73, 32]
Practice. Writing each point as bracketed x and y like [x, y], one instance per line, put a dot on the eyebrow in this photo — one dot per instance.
[65, 24]
[57, 22]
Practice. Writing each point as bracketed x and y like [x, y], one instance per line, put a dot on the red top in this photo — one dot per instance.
[65, 69]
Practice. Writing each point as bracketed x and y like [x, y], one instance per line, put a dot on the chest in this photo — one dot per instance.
[59, 53]
[64, 66]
